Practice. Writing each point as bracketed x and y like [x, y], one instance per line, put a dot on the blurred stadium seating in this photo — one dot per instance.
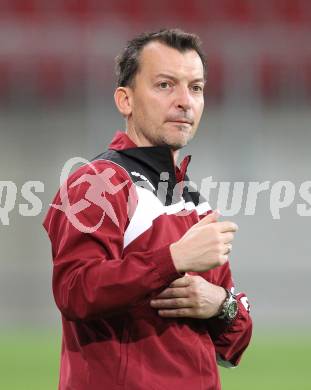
[54, 42]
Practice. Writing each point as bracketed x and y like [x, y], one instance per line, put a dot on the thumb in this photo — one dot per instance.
[209, 218]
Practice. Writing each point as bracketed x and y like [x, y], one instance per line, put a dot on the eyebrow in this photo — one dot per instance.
[173, 78]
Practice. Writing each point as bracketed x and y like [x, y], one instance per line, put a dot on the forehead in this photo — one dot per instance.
[157, 58]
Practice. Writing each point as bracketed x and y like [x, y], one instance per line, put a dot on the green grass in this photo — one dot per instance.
[29, 361]
[273, 362]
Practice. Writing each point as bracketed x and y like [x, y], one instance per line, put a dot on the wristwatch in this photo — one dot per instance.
[229, 309]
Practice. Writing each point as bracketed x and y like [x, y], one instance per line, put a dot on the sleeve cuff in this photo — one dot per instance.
[165, 266]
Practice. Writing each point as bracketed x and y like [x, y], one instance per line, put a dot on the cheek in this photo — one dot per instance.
[140, 112]
[199, 110]
[147, 108]
[154, 112]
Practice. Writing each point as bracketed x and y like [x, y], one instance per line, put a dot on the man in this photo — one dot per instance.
[146, 296]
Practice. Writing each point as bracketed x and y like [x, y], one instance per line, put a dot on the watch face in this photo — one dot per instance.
[232, 309]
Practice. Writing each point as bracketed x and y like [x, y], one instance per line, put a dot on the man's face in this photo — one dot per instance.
[167, 96]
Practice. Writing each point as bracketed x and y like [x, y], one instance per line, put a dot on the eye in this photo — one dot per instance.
[197, 88]
[164, 85]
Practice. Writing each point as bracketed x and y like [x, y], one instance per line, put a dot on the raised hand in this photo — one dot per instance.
[205, 245]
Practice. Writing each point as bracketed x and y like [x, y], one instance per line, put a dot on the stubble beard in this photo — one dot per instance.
[167, 141]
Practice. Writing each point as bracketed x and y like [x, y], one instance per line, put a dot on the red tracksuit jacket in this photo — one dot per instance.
[111, 226]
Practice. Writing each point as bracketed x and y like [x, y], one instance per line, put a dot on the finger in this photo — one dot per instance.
[209, 218]
[171, 292]
[227, 226]
[182, 282]
[228, 249]
[176, 313]
[173, 303]
[227, 237]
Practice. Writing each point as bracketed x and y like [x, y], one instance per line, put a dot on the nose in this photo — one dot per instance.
[183, 99]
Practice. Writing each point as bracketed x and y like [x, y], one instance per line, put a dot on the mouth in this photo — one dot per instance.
[182, 122]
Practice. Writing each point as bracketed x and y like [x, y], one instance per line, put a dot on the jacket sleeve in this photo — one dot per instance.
[91, 275]
[230, 339]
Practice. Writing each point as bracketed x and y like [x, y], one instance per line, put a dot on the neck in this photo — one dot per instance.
[141, 141]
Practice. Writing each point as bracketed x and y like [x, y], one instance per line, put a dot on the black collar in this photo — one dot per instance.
[157, 159]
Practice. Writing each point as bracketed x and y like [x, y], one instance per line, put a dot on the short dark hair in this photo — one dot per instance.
[127, 63]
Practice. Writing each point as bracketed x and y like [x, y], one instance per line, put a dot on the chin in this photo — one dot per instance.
[175, 139]
[176, 143]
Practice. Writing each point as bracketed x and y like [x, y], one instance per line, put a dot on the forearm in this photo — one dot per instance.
[88, 288]
[231, 339]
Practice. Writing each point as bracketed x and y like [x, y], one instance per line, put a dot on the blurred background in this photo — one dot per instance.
[56, 85]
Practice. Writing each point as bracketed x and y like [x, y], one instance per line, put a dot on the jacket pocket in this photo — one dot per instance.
[124, 352]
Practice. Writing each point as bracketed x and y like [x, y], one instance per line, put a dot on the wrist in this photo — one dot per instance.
[222, 297]
[229, 307]
[177, 258]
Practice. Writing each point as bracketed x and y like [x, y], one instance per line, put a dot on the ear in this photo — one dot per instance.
[123, 100]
